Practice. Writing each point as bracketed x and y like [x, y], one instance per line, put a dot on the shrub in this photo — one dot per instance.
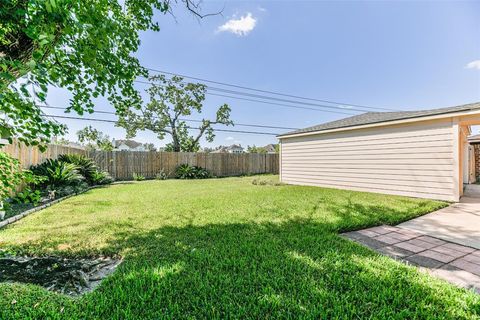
[10, 175]
[161, 175]
[85, 166]
[28, 195]
[101, 177]
[186, 171]
[138, 177]
[58, 173]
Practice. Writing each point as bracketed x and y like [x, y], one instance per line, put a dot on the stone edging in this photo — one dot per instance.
[25, 213]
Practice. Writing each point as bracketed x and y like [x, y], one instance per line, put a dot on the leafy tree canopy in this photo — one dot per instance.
[171, 99]
[94, 139]
[84, 46]
[255, 149]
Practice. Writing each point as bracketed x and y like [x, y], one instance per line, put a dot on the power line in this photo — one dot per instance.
[188, 120]
[113, 121]
[270, 103]
[269, 92]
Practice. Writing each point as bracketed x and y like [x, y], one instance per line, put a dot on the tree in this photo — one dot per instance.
[149, 147]
[94, 139]
[170, 100]
[255, 149]
[84, 46]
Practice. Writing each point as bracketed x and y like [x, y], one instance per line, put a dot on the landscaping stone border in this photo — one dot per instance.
[28, 212]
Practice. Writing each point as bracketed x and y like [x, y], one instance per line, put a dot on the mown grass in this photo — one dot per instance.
[224, 248]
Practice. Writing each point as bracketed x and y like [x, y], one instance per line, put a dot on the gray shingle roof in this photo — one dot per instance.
[378, 117]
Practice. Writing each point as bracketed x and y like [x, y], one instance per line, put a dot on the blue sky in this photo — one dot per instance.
[399, 55]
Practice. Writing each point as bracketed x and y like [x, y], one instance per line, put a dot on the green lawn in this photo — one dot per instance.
[224, 248]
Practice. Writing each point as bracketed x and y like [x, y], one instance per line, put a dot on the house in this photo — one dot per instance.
[128, 145]
[234, 148]
[412, 153]
[475, 155]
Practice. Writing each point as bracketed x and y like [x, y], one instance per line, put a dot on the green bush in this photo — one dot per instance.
[161, 175]
[186, 171]
[85, 166]
[27, 195]
[101, 177]
[58, 173]
[138, 177]
[10, 175]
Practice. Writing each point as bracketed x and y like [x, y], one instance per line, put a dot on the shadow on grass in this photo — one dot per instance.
[290, 270]
[295, 268]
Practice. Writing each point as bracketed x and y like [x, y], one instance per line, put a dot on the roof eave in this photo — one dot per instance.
[382, 123]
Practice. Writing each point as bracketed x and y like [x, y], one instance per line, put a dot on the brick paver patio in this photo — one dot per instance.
[455, 263]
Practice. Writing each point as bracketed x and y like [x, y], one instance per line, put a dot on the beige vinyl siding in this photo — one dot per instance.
[414, 159]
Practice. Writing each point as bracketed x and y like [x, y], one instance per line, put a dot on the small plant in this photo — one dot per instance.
[138, 177]
[28, 195]
[161, 175]
[186, 171]
[32, 180]
[265, 182]
[101, 178]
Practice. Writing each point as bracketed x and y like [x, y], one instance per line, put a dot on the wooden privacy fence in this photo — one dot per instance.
[32, 155]
[123, 164]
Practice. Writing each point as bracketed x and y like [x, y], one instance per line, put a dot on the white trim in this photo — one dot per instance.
[380, 124]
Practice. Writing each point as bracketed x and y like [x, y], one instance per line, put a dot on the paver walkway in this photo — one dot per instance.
[455, 263]
[459, 223]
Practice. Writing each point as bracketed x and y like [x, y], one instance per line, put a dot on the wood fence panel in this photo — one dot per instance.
[28, 156]
[122, 164]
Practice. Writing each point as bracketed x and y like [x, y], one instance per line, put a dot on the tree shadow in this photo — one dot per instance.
[295, 269]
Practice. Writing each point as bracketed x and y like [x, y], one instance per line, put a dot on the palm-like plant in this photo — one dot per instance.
[85, 166]
[58, 173]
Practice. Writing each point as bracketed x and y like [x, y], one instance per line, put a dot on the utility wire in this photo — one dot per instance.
[113, 121]
[188, 120]
[270, 92]
[266, 102]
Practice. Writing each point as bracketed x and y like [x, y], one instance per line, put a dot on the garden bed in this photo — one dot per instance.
[21, 210]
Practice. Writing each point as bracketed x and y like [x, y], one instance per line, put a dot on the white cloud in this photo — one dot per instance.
[229, 138]
[262, 9]
[241, 26]
[473, 65]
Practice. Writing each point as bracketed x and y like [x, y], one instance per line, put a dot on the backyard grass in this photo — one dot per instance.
[224, 248]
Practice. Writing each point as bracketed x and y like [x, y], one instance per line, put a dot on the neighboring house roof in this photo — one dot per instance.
[379, 117]
[129, 143]
[475, 139]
